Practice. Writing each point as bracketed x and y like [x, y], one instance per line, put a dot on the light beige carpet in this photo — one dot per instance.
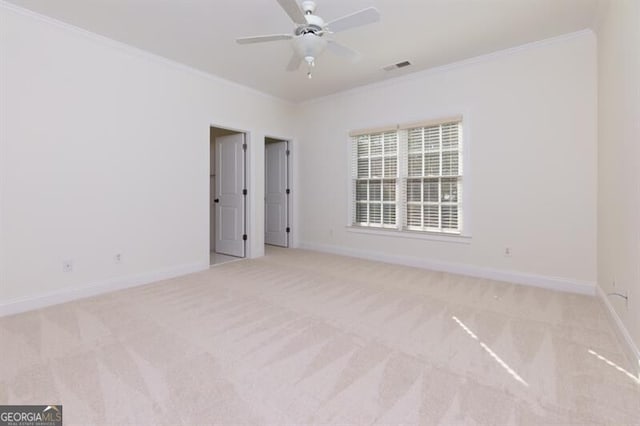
[303, 337]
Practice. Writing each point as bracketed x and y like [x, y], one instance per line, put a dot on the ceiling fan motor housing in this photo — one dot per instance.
[314, 25]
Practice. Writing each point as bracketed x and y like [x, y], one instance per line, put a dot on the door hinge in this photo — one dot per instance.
[288, 191]
[288, 152]
[244, 192]
[244, 146]
[288, 229]
[244, 237]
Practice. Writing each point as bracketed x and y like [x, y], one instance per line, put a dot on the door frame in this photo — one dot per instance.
[247, 199]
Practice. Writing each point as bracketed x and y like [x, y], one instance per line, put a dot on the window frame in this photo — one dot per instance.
[464, 182]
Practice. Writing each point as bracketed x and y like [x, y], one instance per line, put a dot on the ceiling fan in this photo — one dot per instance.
[308, 37]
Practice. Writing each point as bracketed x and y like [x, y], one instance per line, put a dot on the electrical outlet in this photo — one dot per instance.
[507, 252]
[67, 266]
[117, 258]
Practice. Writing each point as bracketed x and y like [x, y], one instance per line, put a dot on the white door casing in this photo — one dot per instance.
[276, 185]
[230, 202]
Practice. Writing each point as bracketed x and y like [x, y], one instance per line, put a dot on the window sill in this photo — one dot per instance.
[430, 236]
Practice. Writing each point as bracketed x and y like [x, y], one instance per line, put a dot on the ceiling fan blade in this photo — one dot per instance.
[357, 19]
[294, 63]
[293, 10]
[264, 38]
[343, 51]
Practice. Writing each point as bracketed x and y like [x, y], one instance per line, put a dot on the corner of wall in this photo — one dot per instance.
[624, 338]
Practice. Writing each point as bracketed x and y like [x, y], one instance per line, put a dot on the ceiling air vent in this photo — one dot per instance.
[397, 66]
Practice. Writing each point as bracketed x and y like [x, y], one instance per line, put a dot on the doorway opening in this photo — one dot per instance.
[227, 195]
[277, 229]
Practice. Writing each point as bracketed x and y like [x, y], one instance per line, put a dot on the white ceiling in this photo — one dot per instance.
[429, 33]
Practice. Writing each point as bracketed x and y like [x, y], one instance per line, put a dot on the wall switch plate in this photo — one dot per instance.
[117, 258]
[67, 266]
[507, 252]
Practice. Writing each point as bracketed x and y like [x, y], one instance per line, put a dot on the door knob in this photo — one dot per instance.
[217, 200]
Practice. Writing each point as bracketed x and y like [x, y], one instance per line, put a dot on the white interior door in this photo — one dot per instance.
[275, 194]
[212, 214]
[212, 196]
[229, 201]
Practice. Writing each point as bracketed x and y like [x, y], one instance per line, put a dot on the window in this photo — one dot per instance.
[376, 180]
[409, 179]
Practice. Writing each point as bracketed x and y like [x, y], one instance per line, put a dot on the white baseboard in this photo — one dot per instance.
[631, 349]
[552, 283]
[16, 306]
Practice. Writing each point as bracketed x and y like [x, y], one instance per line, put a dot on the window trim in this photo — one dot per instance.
[416, 235]
[465, 233]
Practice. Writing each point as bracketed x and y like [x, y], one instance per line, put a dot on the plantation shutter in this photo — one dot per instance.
[375, 178]
[433, 179]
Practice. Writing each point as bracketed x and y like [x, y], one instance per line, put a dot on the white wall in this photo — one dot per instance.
[105, 149]
[619, 161]
[530, 117]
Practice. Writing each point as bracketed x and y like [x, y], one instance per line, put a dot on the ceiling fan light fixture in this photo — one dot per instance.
[309, 45]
